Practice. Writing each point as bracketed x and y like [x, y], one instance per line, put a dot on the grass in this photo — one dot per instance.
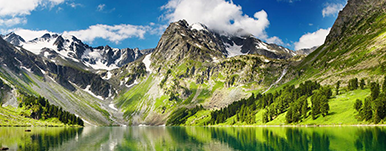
[199, 119]
[341, 112]
[10, 116]
[341, 109]
[130, 100]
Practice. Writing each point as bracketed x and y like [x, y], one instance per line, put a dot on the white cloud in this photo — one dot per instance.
[332, 9]
[74, 5]
[310, 40]
[114, 33]
[12, 21]
[219, 15]
[24, 7]
[289, 1]
[101, 7]
[13, 12]
[275, 40]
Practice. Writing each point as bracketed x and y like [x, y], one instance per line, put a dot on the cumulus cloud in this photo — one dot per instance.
[13, 12]
[101, 7]
[332, 9]
[114, 33]
[24, 7]
[219, 15]
[310, 40]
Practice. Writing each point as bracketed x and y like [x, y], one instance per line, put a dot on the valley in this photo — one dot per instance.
[195, 75]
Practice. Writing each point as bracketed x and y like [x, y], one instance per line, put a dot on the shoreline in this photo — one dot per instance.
[283, 125]
[41, 126]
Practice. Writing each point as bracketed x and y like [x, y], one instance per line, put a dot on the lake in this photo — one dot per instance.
[194, 138]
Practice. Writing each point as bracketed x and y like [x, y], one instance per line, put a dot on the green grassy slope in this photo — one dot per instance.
[341, 112]
[10, 116]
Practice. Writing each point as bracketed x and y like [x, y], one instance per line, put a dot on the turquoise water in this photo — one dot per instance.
[194, 138]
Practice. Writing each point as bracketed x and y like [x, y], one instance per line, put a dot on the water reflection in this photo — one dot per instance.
[194, 138]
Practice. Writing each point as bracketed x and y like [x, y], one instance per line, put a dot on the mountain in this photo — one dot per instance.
[75, 90]
[54, 46]
[14, 39]
[353, 48]
[192, 65]
[306, 51]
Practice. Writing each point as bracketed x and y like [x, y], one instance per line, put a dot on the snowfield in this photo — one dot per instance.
[147, 62]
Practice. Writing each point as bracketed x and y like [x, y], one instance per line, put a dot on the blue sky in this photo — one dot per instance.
[140, 23]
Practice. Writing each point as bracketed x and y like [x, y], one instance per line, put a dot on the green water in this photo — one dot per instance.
[194, 138]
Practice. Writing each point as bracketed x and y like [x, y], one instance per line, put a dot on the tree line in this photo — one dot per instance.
[309, 99]
[40, 108]
[373, 108]
[292, 100]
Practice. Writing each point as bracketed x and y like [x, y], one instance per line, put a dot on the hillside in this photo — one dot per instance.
[353, 48]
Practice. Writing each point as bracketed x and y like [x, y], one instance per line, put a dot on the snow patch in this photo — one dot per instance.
[112, 106]
[278, 80]
[215, 60]
[108, 76]
[198, 27]
[25, 68]
[264, 46]
[99, 62]
[198, 45]
[133, 84]
[87, 89]
[147, 63]
[36, 46]
[234, 50]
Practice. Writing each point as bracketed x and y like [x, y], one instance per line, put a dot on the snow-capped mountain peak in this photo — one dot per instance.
[71, 48]
[198, 27]
[14, 39]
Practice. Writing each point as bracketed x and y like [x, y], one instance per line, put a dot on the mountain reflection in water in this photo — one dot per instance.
[194, 138]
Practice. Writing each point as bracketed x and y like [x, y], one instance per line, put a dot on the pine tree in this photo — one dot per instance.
[289, 115]
[362, 85]
[358, 105]
[324, 106]
[305, 109]
[337, 87]
[374, 90]
[265, 117]
[367, 113]
[384, 85]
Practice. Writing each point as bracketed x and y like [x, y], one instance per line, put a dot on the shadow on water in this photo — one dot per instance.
[195, 138]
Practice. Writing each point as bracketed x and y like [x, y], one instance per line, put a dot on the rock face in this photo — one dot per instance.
[354, 12]
[179, 42]
[182, 40]
[14, 39]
